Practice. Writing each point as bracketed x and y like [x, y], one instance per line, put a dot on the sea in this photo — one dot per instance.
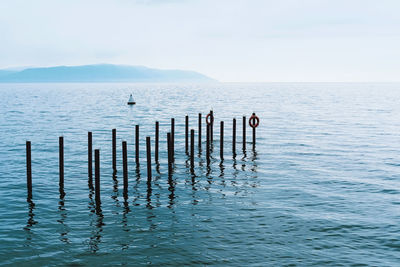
[321, 187]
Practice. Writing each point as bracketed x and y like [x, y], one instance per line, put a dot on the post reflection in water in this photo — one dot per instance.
[221, 175]
[95, 238]
[194, 189]
[244, 160]
[171, 189]
[124, 221]
[91, 204]
[150, 214]
[136, 190]
[115, 189]
[253, 160]
[253, 168]
[159, 187]
[148, 197]
[208, 176]
[158, 167]
[63, 216]
[31, 220]
[235, 175]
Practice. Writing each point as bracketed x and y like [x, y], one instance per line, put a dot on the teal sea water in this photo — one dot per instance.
[321, 188]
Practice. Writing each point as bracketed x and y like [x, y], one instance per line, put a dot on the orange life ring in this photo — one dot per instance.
[254, 121]
[211, 120]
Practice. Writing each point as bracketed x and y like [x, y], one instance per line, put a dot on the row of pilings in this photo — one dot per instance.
[189, 150]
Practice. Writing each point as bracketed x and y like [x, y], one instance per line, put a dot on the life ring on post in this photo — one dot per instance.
[209, 119]
[254, 121]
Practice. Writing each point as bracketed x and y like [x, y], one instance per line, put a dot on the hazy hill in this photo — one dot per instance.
[101, 73]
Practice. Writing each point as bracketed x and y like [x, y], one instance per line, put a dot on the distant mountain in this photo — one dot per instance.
[101, 73]
[4, 73]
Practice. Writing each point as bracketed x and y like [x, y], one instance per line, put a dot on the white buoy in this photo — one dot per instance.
[131, 101]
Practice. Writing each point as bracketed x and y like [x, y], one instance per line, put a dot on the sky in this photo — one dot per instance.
[229, 40]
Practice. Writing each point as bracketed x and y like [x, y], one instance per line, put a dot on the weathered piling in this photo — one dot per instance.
[221, 141]
[114, 149]
[192, 149]
[61, 163]
[186, 133]
[148, 152]
[234, 137]
[90, 159]
[156, 141]
[199, 132]
[173, 139]
[137, 144]
[125, 165]
[97, 176]
[208, 144]
[212, 126]
[254, 138]
[244, 133]
[28, 170]
[169, 153]
[254, 121]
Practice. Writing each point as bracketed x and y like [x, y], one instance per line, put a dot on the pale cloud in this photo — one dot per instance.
[236, 40]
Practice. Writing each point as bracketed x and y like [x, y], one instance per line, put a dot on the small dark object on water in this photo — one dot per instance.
[131, 101]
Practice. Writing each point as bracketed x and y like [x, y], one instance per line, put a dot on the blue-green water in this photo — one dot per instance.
[321, 188]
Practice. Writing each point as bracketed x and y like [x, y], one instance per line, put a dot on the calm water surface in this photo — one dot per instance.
[321, 188]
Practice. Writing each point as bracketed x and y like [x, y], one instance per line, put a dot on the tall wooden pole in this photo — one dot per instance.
[125, 165]
[114, 149]
[199, 131]
[90, 159]
[137, 144]
[97, 176]
[156, 146]
[61, 163]
[148, 152]
[29, 170]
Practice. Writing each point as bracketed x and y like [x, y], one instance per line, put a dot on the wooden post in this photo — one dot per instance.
[208, 144]
[169, 153]
[97, 176]
[254, 138]
[253, 125]
[199, 131]
[234, 137]
[186, 133]
[114, 149]
[192, 149]
[221, 141]
[29, 170]
[173, 139]
[125, 165]
[90, 159]
[156, 141]
[148, 152]
[212, 126]
[137, 144]
[61, 163]
[244, 133]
